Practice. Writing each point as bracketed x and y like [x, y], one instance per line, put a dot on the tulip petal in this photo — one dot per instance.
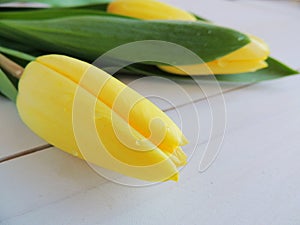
[148, 9]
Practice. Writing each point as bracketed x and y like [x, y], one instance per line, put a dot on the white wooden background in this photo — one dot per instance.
[254, 181]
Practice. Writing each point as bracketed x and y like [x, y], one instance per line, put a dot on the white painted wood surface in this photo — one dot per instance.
[15, 136]
[253, 181]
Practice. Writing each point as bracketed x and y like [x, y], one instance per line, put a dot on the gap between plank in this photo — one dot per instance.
[26, 152]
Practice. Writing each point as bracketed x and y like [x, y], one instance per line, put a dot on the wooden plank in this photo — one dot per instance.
[15, 136]
[253, 181]
[33, 180]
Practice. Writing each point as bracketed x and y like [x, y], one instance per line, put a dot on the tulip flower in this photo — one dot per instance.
[86, 112]
[248, 58]
[148, 9]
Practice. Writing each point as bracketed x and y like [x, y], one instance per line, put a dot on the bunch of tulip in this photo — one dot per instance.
[70, 103]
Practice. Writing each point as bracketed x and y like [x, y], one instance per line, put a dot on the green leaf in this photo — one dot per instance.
[60, 3]
[275, 70]
[200, 18]
[16, 53]
[8, 43]
[87, 37]
[53, 13]
[7, 88]
[12, 45]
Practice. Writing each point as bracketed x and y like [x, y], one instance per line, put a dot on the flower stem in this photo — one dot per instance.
[18, 54]
[10, 66]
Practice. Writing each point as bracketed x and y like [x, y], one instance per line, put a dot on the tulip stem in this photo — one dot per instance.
[10, 66]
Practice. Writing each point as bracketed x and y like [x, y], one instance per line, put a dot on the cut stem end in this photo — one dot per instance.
[11, 67]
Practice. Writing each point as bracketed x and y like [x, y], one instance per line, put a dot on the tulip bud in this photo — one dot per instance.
[148, 9]
[113, 127]
[246, 59]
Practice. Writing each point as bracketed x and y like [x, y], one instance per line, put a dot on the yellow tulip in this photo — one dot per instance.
[246, 59]
[249, 58]
[148, 9]
[134, 137]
